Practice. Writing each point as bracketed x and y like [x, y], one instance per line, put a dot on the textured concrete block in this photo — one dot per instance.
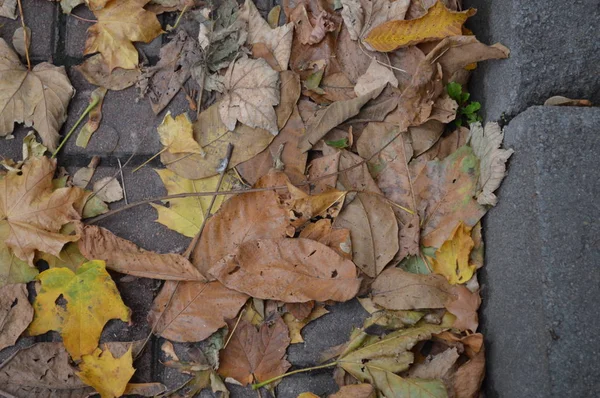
[554, 51]
[542, 274]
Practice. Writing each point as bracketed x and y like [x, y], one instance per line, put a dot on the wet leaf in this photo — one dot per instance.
[452, 259]
[289, 270]
[256, 355]
[465, 307]
[92, 299]
[107, 374]
[37, 98]
[438, 23]
[97, 72]
[120, 23]
[15, 313]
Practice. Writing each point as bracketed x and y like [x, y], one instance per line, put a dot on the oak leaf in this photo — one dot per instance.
[185, 215]
[256, 355]
[486, 144]
[15, 313]
[252, 92]
[107, 374]
[465, 307]
[37, 97]
[438, 23]
[125, 257]
[452, 259]
[92, 299]
[395, 289]
[289, 270]
[361, 16]
[120, 23]
[196, 309]
[32, 213]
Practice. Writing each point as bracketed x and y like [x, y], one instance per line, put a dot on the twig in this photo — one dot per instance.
[122, 181]
[83, 19]
[271, 380]
[25, 35]
[171, 28]
[84, 114]
[379, 62]
[234, 327]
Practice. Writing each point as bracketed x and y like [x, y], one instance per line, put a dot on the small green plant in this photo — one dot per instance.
[467, 112]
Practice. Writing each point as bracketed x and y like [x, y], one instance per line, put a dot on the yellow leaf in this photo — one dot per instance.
[92, 299]
[185, 215]
[295, 326]
[178, 135]
[120, 23]
[438, 23]
[107, 374]
[452, 259]
[308, 395]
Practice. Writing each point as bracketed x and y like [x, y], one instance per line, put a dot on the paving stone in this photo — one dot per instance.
[541, 280]
[554, 51]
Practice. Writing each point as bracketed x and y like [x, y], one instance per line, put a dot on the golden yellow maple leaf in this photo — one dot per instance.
[107, 374]
[452, 259]
[185, 215]
[177, 134]
[438, 23]
[120, 23]
[92, 299]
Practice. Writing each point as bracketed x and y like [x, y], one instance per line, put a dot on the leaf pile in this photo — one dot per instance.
[323, 158]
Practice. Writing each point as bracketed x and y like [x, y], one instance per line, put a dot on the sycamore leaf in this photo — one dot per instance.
[486, 144]
[252, 92]
[120, 23]
[15, 313]
[196, 310]
[177, 134]
[96, 71]
[465, 307]
[38, 98]
[289, 270]
[107, 374]
[438, 23]
[108, 190]
[452, 259]
[375, 77]
[256, 355]
[361, 16]
[125, 257]
[355, 391]
[8, 9]
[92, 299]
[185, 215]
[395, 289]
[295, 325]
[32, 213]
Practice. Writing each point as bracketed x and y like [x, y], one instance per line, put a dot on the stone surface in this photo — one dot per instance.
[554, 51]
[541, 280]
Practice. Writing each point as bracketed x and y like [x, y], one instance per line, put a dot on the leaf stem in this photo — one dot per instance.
[178, 19]
[87, 110]
[256, 386]
[25, 35]
[83, 19]
[149, 160]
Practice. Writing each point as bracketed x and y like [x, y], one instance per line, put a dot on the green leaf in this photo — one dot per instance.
[343, 143]
[454, 91]
[415, 264]
[465, 97]
[472, 107]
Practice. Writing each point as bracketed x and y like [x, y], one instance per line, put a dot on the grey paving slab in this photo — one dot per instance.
[541, 280]
[555, 50]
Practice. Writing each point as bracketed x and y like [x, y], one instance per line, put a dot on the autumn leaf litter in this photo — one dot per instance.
[330, 152]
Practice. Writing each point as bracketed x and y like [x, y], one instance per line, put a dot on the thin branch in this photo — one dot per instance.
[83, 19]
[266, 382]
[149, 160]
[24, 35]
[123, 181]
[379, 62]
[87, 110]
[234, 327]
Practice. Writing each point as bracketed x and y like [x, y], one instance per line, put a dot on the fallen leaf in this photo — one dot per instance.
[177, 134]
[12, 268]
[214, 137]
[425, 136]
[8, 9]
[389, 319]
[70, 257]
[361, 16]
[289, 270]
[252, 91]
[164, 80]
[83, 176]
[32, 212]
[320, 168]
[304, 207]
[323, 232]
[299, 310]
[355, 391]
[120, 23]
[185, 215]
[486, 144]
[107, 374]
[125, 257]
[145, 389]
[393, 385]
[37, 97]
[375, 77]
[22, 41]
[196, 310]
[446, 145]
[97, 72]
[452, 259]
[15, 313]
[256, 355]
[92, 299]
[295, 325]
[465, 307]
[438, 23]
[435, 367]
[559, 100]
[108, 190]
[395, 289]
[468, 378]
[95, 116]
[307, 395]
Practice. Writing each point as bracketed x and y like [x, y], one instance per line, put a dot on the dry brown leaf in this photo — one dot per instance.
[125, 257]
[120, 23]
[464, 306]
[295, 325]
[395, 289]
[425, 136]
[196, 310]
[559, 100]
[361, 16]
[289, 270]
[8, 9]
[447, 144]
[304, 207]
[253, 355]
[35, 212]
[300, 310]
[108, 190]
[252, 92]
[468, 378]
[338, 239]
[375, 77]
[436, 367]
[22, 41]
[37, 98]
[96, 71]
[321, 167]
[15, 313]
[355, 391]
